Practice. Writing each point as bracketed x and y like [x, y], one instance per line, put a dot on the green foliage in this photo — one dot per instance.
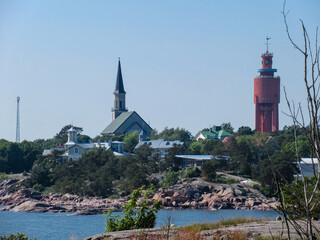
[293, 195]
[17, 157]
[279, 166]
[18, 236]
[38, 187]
[208, 171]
[106, 138]
[244, 130]
[136, 214]
[62, 136]
[227, 127]
[225, 180]
[192, 172]
[84, 139]
[171, 134]
[170, 160]
[3, 176]
[91, 175]
[170, 178]
[130, 141]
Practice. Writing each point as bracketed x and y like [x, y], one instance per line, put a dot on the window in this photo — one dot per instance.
[76, 150]
[120, 104]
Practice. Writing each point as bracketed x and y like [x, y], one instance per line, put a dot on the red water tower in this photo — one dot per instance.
[267, 96]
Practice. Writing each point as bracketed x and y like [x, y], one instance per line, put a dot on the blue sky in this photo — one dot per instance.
[188, 64]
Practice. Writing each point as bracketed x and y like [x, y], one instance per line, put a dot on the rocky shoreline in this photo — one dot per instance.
[196, 194]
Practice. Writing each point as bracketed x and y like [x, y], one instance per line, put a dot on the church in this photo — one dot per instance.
[124, 121]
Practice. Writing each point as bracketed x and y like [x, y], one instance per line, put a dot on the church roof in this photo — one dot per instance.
[119, 82]
[124, 122]
[115, 124]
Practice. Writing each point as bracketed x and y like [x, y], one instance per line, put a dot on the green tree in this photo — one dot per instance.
[170, 178]
[62, 136]
[130, 141]
[227, 127]
[292, 194]
[278, 167]
[208, 171]
[171, 134]
[136, 214]
[170, 160]
[244, 130]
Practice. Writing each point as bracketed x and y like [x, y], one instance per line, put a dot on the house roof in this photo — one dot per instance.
[159, 143]
[195, 157]
[119, 81]
[209, 134]
[223, 134]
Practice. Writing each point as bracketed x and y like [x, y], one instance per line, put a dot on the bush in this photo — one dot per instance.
[38, 187]
[18, 236]
[192, 172]
[3, 176]
[136, 215]
[170, 178]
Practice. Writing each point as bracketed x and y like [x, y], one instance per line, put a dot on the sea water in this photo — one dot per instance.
[59, 226]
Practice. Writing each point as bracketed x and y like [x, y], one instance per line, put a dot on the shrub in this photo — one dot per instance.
[38, 187]
[170, 178]
[135, 215]
[18, 236]
[192, 172]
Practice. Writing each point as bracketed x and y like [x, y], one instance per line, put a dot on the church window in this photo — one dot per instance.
[76, 150]
[120, 104]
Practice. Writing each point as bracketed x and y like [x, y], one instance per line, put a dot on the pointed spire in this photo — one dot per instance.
[119, 83]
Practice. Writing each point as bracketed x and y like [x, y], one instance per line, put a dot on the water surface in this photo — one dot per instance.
[59, 226]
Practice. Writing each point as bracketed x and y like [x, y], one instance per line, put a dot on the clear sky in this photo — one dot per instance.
[188, 64]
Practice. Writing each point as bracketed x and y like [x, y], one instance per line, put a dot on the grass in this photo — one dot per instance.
[215, 225]
[3, 176]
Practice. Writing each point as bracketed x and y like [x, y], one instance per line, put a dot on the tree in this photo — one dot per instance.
[311, 130]
[208, 171]
[136, 214]
[244, 130]
[62, 136]
[171, 134]
[130, 141]
[227, 127]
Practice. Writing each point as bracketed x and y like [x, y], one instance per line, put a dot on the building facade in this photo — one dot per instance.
[266, 96]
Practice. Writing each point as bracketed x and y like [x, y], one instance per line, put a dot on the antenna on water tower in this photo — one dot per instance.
[18, 122]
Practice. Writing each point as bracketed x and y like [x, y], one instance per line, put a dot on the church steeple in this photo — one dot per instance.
[119, 83]
[119, 104]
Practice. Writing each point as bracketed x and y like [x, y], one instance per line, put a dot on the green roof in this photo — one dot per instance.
[209, 134]
[115, 124]
[223, 134]
[216, 134]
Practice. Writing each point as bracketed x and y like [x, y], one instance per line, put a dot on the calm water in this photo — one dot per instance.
[56, 226]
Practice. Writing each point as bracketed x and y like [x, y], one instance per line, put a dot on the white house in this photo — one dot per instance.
[74, 150]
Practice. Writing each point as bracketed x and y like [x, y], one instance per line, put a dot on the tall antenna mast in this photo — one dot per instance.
[18, 122]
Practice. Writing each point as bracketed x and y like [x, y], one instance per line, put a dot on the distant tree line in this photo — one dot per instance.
[100, 173]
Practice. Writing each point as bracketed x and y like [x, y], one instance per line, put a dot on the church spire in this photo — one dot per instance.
[119, 103]
[119, 82]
